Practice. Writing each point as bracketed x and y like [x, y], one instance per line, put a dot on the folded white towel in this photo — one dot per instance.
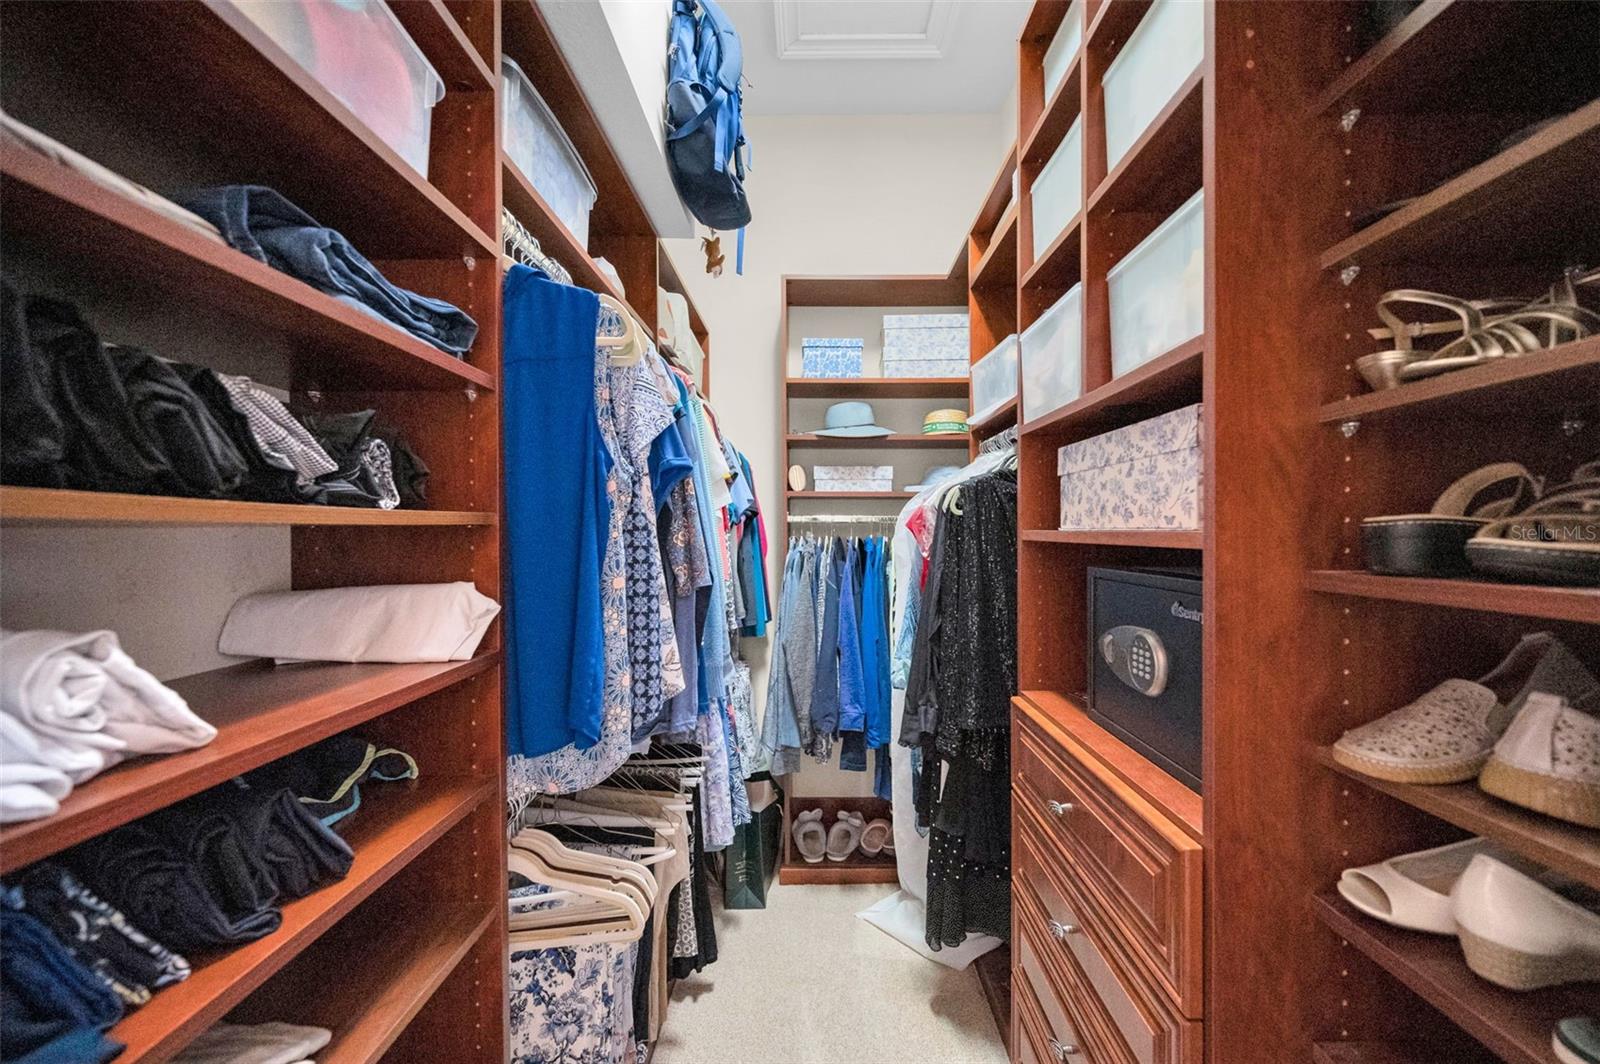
[254, 1043]
[388, 623]
[28, 792]
[21, 745]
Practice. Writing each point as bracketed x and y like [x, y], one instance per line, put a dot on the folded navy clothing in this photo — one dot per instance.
[264, 225]
[35, 451]
[100, 937]
[51, 1007]
[327, 776]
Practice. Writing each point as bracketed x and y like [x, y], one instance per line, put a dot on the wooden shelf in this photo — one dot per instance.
[994, 977]
[1379, 1053]
[524, 201]
[1498, 210]
[877, 290]
[1556, 376]
[107, 238]
[1059, 113]
[1163, 167]
[998, 421]
[1164, 383]
[442, 40]
[1060, 266]
[59, 506]
[1517, 54]
[848, 494]
[1566, 848]
[391, 829]
[896, 441]
[1115, 21]
[260, 712]
[1515, 1025]
[992, 213]
[859, 868]
[1174, 539]
[876, 387]
[998, 267]
[1524, 600]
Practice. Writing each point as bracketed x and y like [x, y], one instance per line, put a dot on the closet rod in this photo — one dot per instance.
[844, 519]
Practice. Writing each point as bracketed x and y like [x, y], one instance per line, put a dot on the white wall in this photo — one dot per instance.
[830, 195]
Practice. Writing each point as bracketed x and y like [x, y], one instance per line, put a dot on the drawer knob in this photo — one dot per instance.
[1060, 930]
[1063, 1050]
[1060, 808]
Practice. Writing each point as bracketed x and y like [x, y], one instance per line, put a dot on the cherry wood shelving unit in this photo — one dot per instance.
[991, 257]
[865, 292]
[159, 91]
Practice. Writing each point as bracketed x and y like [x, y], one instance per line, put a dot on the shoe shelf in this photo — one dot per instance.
[891, 442]
[1542, 379]
[1525, 600]
[1566, 848]
[876, 387]
[260, 712]
[392, 829]
[859, 867]
[445, 43]
[60, 506]
[108, 237]
[1166, 539]
[1514, 1025]
[1164, 383]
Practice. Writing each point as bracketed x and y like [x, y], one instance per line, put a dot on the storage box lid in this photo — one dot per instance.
[833, 341]
[1178, 430]
[924, 321]
[852, 472]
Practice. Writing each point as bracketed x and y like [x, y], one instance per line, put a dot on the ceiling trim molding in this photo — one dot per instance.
[931, 43]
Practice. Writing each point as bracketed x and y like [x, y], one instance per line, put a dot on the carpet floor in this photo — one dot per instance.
[805, 982]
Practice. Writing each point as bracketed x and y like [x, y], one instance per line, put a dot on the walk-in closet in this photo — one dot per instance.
[1129, 592]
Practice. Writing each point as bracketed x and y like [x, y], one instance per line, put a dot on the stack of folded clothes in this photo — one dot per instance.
[52, 1008]
[77, 412]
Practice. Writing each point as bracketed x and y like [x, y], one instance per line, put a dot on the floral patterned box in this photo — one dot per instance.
[852, 478]
[926, 367]
[913, 337]
[1145, 476]
[830, 357]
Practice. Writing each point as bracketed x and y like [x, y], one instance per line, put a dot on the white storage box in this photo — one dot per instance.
[359, 52]
[830, 357]
[1163, 51]
[539, 147]
[1063, 46]
[852, 478]
[939, 337]
[994, 379]
[1157, 291]
[1145, 476]
[1057, 192]
[1052, 357]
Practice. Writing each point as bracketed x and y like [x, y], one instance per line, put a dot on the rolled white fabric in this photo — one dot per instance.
[386, 623]
[28, 792]
[82, 693]
[21, 745]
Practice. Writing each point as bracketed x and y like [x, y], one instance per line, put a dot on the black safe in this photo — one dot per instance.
[1144, 663]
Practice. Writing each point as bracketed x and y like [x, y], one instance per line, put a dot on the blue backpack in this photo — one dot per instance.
[705, 131]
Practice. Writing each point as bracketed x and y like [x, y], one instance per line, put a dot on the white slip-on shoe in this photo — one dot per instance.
[845, 836]
[1518, 933]
[810, 837]
[1549, 760]
[1577, 1040]
[1446, 735]
[876, 837]
[1413, 889]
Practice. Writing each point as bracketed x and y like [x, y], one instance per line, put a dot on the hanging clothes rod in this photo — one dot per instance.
[844, 519]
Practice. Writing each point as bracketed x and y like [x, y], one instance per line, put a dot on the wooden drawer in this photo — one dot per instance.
[1138, 866]
[1121, 1013]
[1042, 1013]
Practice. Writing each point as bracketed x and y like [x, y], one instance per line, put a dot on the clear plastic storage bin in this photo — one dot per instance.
[994, 379]
[539, 147]
[1052, 357]
[359, 52]
[1057, 192]
[1063, 46]
[1164, 50]
[1157, 292]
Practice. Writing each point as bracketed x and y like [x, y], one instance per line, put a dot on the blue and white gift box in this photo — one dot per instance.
[852, 478]
[1145, 476]
[830, 356]
[924, 337]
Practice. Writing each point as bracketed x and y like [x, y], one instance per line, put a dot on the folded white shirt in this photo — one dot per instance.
[84, 692]
[386, 623]
[254, 1043]
[30, 791]
[21, 745]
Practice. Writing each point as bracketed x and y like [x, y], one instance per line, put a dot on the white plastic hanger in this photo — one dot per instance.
[627, 349]
[584, 912]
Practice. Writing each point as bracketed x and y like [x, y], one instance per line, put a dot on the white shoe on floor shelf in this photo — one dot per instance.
[1518, 933]
[845, 836]
[810, 837]
[1413, 890]
[877, 837]
[1549, 760]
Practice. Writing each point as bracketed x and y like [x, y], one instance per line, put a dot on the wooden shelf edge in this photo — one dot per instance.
[998, 421]
[1051, 128]
[70, 507]
[142, 785]
[1379, 55]
[435, 30]
[557, 241]
[828, 872]
[1067, 240]
[1184, 107]
[1174, 539]
[881, 387]
[1065, 717]
[1005, 232]
[849, 494]
[1526, 600]
[1163, 374]
[899, 439]
[875, 290]
[407, 826]
[1566, 848]
[1507, 374]
[990, 214]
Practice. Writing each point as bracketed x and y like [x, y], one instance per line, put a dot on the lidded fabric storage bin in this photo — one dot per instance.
[1052, 356]
[925, 345]
[1157, 292]
[1063, 46]
[1163, 51]
[1143, 476]
[830, 356]
[852, 478]
[994, 379]
[1057, 192]
[358, 51]
[539, 147]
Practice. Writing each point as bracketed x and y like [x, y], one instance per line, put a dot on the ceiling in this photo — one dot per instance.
[878, 56]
